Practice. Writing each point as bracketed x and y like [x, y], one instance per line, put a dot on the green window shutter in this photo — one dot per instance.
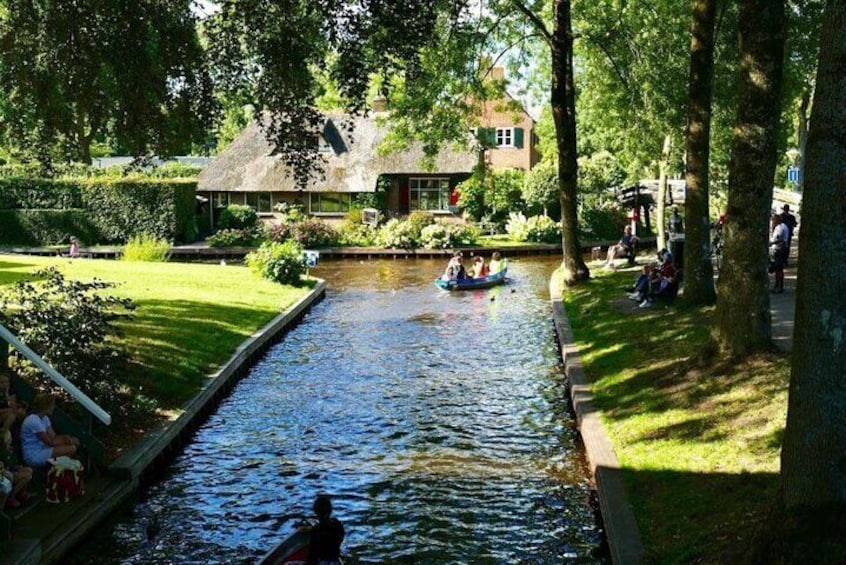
[487, 137]
[518, 137]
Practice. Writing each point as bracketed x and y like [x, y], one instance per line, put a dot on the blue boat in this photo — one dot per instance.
[472, 283]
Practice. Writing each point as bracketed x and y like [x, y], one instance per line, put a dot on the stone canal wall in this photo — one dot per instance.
[621, 529]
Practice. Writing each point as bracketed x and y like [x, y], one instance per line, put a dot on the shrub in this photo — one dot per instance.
[419, 220]
[291, 213]
[233, 238]
[517, 227]
[436, 236]
[602, 223]
[445, 236]
[237, 217]
[279, 262]
[280, 232]
[542, 229]
[145, 247]
[358, 235]
[314, 233]
[397, 234]
[71, 324]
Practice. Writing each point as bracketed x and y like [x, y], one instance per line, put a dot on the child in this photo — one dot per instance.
[480, 270]
[74, 247]
[38, 440]
[17, 476]
[497, 263]
[449, 275]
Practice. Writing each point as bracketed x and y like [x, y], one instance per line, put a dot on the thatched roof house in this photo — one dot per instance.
[246, 172]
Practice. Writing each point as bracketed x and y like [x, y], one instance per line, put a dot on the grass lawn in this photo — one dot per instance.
[500, 240]
[698, 437]
[189, 317]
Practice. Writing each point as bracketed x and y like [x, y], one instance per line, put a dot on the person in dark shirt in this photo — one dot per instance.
[788, 220]
[326, 536]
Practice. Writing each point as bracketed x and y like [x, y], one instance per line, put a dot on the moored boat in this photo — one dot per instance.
[473, 283]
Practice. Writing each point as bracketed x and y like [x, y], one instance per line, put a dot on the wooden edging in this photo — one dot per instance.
[621, 529]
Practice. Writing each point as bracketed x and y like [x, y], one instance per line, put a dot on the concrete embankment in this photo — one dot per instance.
[49, 532]
[621, 529]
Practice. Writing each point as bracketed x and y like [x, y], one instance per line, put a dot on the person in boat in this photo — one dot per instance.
[457, 263]
[497, 264]
[480, 269]
[449, 275]
[326, 536]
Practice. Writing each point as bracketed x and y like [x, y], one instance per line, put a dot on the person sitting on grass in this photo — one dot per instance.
[19, 475]
[663, 282]
[623, 248]
[641, 286]
[38, 440]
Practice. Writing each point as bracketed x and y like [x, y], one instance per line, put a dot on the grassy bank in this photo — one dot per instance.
[189, 317]
[698, 437]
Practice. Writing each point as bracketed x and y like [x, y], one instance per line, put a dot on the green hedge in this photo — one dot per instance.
[123, 208]
[46, 227]
[37, 194]
[114, 209]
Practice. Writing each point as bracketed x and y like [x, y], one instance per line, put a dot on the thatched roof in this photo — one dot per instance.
[353, 165]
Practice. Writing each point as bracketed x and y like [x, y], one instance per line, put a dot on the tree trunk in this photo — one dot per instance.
[803, 137]
[698, 271]
[564, 114]
[809, 522]
[743, 306]
[814, 454]
[661, 242]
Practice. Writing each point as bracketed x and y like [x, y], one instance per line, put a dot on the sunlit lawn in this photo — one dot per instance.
[698, 437]
[189, 317]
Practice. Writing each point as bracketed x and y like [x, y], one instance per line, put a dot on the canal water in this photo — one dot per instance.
[439, 423]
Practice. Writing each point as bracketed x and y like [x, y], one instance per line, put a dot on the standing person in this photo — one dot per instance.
[789, 220]
[74, 247]
[327, 536]
[38, 440]
[778, 246]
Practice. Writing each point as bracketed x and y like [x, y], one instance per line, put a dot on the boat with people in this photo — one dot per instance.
[473, 283]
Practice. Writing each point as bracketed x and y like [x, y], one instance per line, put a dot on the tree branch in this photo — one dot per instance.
[534, 19]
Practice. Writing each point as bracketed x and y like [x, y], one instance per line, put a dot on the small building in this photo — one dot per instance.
[248, 173]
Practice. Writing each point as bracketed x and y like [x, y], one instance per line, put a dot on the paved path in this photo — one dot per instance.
[783, 308]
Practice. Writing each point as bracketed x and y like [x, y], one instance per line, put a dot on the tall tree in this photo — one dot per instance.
[813, 473]
[699, 274]
[743, 310]
[73, 71]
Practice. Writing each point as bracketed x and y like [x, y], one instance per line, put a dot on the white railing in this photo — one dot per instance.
[77, 394]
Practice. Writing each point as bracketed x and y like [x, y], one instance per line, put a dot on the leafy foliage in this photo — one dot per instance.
[493, 195]
[46, 227]
[441, 235]
[237, 217]
[541, 191]
[313, 232]
[279, 262]
[233, 238]
[73, 71]
[397, 234]
[602, 223]
[538, 229]
[147, 248]
[599, 173]
[71, 324]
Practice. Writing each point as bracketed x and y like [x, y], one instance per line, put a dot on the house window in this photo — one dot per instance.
[428, 194]
[505, 137]
[330, 202]
[260, 202]
[221, 199]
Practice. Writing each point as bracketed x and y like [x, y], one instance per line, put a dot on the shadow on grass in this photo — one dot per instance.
[700, 517]
[174, 344]
[658, 361]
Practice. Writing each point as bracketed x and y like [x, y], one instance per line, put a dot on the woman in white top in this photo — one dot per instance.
[39, 442]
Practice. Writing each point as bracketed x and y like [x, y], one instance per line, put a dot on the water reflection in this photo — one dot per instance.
[437, 420]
